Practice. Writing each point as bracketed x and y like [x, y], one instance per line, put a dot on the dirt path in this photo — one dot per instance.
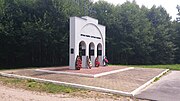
[17, 94]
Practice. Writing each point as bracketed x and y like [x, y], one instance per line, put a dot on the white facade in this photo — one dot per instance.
[87, 38]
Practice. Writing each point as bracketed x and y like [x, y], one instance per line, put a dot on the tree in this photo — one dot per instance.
[163, 47]
[176, 27]
[36, 32]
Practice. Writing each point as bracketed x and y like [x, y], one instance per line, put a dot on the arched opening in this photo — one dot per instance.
[82, 52]
[91, 50]
[99, 50]
[91, 53]
[99, 53]
[82, 49]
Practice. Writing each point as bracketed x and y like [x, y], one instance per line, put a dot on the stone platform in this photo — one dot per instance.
[93, 72]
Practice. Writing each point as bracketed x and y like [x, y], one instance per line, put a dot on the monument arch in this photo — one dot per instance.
[87, 38]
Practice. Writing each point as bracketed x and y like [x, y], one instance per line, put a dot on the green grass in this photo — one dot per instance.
[53, 88]
[37, 86]
[16, 68]
[156, 79]
[171, 66]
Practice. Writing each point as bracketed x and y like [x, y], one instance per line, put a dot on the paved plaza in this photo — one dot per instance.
[126, 81]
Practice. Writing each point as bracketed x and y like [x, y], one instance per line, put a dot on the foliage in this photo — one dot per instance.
[141, 35]
[176, 27]
[163, 47]
[36, 32]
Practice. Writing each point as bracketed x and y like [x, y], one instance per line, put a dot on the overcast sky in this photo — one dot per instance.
[169, 5]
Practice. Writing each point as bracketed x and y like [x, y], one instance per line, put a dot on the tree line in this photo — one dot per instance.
[36, 32]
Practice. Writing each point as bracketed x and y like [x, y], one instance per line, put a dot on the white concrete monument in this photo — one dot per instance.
[87, 38]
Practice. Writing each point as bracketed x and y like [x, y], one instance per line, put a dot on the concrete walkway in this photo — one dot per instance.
[166, 89]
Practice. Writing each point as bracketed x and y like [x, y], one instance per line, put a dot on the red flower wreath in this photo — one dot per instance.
[78, 63]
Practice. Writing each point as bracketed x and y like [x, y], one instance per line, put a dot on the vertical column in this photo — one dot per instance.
[72, 48]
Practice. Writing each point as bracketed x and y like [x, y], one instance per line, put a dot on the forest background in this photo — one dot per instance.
[36, 32]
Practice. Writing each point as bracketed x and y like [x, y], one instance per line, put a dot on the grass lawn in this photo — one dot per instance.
[37, 86]
[56, 89]
[171, 67]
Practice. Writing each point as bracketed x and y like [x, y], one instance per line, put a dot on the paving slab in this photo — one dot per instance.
[166, 89]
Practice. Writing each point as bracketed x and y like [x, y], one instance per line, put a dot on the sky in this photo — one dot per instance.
[169, 5]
